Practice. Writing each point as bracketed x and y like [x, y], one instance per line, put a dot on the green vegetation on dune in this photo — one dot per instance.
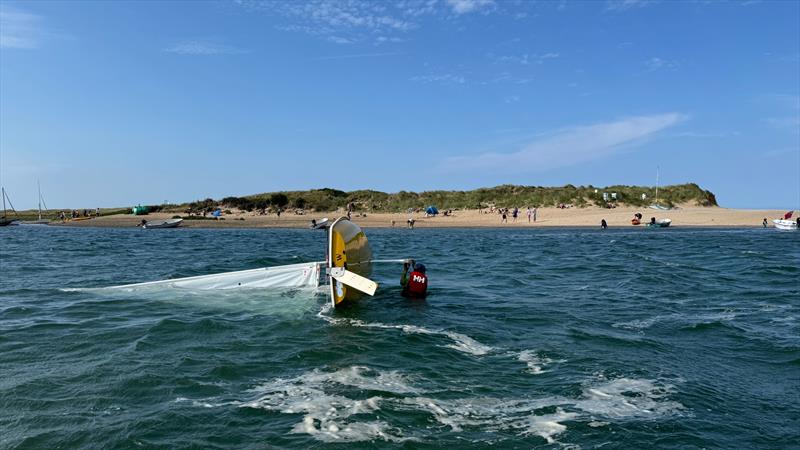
[510, 196]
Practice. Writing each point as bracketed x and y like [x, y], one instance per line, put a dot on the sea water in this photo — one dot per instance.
[576, 338]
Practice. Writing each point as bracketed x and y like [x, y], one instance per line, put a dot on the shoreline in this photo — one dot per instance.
[695, 217]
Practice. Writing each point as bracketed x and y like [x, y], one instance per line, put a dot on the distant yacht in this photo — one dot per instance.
[5, 220]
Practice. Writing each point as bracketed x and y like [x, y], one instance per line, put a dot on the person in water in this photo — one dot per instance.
[603, 224]
[415, 284]
[764, 223]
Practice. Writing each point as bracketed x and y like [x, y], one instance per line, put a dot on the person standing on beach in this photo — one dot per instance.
[535, 209]
[764, 223]
[603, 224]
[505, 217]
[515, 213]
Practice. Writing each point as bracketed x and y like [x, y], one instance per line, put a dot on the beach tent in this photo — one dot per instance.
[432, 211]
[217, 213]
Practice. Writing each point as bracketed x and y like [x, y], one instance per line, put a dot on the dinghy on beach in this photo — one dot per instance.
[663, 223]
[169, 223]
[786, 225]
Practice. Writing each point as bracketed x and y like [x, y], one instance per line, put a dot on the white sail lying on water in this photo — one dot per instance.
[305, 275]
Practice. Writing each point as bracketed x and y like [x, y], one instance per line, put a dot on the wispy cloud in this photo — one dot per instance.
[511, 99]
[506, 77]
[446, 78]
[356, 55]
[20, 29]
[350, 21]
[203, 47]
[625, 5]
[789, 122]
[468, 6]
[657, 63]
[570, 146]
[340, 22]
[523, 59]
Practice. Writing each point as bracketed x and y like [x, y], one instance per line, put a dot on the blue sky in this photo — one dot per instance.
[116, 103]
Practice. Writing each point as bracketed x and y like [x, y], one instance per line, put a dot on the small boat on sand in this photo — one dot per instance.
[169, 223]
[783, 224]
[663, 223]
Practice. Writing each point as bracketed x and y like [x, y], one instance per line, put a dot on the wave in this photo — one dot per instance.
[357, 403]
[535, 362]
[461, 342]
[327, 416]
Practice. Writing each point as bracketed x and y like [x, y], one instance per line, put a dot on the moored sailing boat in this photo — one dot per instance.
[40, 221]
[5, 220]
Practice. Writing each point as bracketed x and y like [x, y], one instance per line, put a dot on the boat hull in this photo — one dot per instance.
[663, 223]
[787, 225]
[347, 247]
[171, 223]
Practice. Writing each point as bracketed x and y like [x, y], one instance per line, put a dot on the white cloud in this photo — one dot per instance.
[624, 5]
[511, 99]
[345, 21]
[570, 146]
[446, 78]
[468, 6]
[506, 77]
[340, 40]
[356, 55]
[202, 47]
[348, 21]
[656, 63]
[19, 29]
[523, 59]
[791, 123]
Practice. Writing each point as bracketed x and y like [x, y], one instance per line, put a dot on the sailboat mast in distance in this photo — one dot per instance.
[658, 173]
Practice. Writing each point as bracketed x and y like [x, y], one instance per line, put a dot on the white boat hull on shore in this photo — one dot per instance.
[170, 223]
[788, 225]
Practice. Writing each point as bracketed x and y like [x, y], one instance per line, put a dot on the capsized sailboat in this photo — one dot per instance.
[347, 266]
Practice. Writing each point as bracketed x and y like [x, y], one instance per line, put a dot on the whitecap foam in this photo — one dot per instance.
[461, 342]
[628, 398]
[535, 362]
[637, 324]
[335, 407]
[548, 426]
[492, 414]
[327, 416]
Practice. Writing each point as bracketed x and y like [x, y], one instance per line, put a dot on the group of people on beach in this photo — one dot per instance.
[514, 213]
[74, 214]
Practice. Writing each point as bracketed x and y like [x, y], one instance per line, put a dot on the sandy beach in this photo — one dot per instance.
[546, 217]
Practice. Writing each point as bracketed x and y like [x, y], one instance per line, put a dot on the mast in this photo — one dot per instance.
[657, 181]
[4, 201]
[39, 186]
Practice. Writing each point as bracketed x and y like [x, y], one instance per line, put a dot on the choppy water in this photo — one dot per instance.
[530, 338]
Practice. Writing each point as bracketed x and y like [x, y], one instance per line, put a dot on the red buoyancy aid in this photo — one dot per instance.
[417, 284]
